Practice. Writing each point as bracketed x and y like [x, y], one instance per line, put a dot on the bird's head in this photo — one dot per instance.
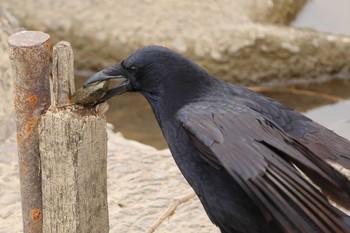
[155, 72]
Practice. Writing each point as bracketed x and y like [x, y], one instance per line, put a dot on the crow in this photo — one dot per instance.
[255, 164]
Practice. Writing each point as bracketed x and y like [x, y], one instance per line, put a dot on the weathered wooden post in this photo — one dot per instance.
[30, 60]
[73, 149]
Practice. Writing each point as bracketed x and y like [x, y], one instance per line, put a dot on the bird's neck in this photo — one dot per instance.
[163, 108]
[171, 97]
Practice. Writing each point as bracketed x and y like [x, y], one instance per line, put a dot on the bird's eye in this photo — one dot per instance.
[132, 68]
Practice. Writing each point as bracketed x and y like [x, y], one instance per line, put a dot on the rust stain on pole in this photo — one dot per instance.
[30, 60]
[35, 214]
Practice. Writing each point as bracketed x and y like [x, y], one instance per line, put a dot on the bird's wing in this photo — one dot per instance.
[320, 140]
[266, 163]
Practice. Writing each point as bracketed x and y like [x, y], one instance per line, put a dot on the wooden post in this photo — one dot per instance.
[73, 149]
[29, 54]
[62, 74]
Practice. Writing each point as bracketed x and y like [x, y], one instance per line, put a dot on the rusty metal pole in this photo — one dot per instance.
[30, 60]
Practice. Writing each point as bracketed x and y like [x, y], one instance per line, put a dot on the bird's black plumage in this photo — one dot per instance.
[243, 153]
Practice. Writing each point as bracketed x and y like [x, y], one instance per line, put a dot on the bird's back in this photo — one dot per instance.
[225, 201]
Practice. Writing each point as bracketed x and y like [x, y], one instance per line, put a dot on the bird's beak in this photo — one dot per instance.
[111, 73]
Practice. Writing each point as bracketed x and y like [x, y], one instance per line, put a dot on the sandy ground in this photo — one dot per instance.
[142, 183]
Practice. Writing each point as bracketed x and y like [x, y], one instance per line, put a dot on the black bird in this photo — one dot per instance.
[245, 155]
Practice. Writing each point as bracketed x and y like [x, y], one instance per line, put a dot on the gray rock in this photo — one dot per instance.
[240, 40]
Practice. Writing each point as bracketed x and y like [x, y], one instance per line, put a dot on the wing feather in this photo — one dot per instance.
[262, 159]
[318, 139]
